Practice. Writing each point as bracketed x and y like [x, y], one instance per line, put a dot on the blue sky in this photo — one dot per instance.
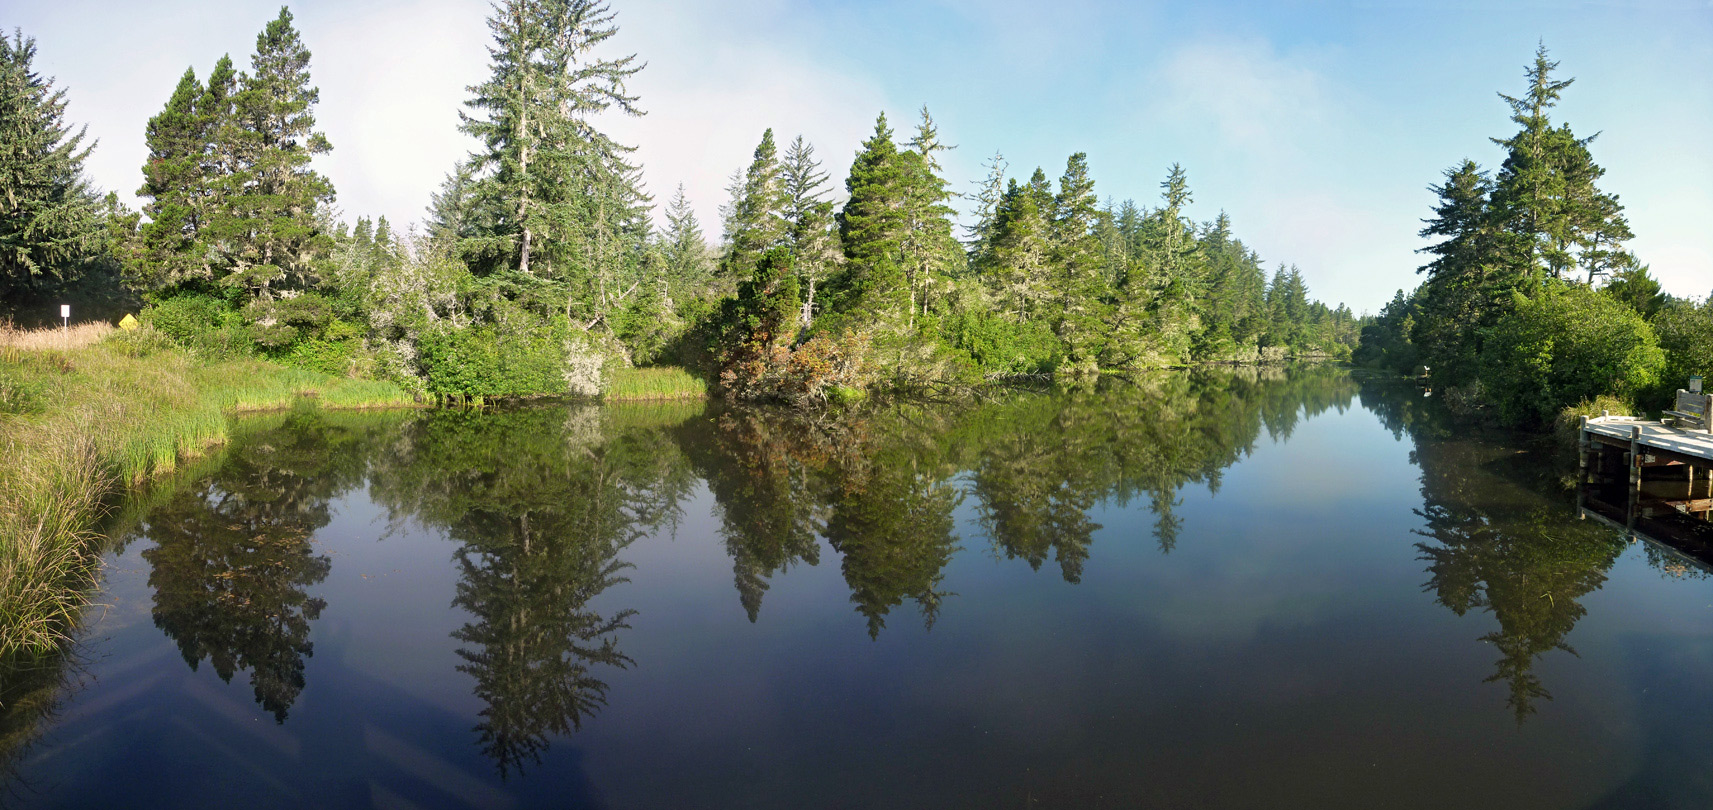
[1317, 126]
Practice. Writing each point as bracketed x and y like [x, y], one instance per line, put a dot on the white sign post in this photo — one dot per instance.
[65, 316]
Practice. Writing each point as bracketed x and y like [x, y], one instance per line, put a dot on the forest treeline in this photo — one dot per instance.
[540, 268]
[1532, 304]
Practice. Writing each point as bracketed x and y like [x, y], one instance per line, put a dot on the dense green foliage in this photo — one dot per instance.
[1563, 346]
[232, 201]
[1685, 333]
[1509, 313]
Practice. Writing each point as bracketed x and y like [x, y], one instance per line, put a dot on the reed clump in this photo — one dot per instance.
[661, 382]
[95, 410]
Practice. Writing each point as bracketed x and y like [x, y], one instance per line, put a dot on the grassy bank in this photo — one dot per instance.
[86, 411]
[666, 382]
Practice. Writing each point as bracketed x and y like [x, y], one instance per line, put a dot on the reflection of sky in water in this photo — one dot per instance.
[1284, 653]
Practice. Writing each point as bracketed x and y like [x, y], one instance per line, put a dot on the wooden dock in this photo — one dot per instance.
[1674, 462]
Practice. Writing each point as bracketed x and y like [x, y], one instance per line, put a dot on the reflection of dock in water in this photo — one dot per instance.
[1684, 537]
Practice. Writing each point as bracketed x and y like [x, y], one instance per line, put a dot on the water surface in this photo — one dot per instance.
[1225, 589]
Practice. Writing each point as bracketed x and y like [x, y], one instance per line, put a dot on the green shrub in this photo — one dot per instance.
[1565, 345]
[1686, 335]
[205, 325]
[525, 358]
[997, 345]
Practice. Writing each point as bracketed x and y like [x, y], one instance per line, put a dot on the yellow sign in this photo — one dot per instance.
[128, 323]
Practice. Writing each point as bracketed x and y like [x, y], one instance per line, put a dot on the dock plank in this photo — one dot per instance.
[1688, 442]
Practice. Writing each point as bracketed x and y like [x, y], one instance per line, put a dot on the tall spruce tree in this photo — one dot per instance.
[755, 218]
[809, 222]
[274, 241]
[554, 181]
[1553, 215]
[980, 236]
[1469, 285]
[1020, 264]
[872, 227]
[1078, 282]
[928, 250]
[1171, 274]
[175, 185]
[452, 210]
[50, 221]
[684, 249]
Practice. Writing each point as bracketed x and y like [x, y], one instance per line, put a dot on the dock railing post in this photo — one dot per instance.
[1582, 452]
[1636, 458]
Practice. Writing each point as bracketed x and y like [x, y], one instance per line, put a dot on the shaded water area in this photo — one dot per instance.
[1283, 588]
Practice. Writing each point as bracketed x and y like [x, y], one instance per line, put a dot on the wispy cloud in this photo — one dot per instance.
[1257, 101]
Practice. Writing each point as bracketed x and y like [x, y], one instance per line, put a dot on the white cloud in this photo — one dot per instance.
[1257, 101]
[392, 81]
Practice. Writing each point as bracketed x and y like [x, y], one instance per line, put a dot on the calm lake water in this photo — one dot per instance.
[1294, 588]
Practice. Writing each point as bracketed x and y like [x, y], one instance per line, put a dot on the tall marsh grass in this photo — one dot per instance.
[662, 382]
[81, 416]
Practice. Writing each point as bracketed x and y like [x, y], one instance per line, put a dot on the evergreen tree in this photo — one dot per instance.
[755, 219]
[175, 184]
[552, 178]
[1018, 265]
[1545, 197]
[989, 190]
[1076, 253]
[452, 213]
[684, 249]
[1636, 287]
[928, 249]
[273, 194]
[50, 221]
[757, 324]
[1167, 276]
[809, 222]
[1226, 277]
[1114, 247]
[872, 226]
[1469, 286]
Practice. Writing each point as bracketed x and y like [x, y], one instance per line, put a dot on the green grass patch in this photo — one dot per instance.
[659, 382]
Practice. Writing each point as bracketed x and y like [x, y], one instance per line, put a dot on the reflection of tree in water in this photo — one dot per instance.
[892, 523]
[875, 486]
[32, 690]
[766, 477]
[882, 487]
[1497, 543]
[535, 646]
[542, 504]
[1040, 464]
[233, 561]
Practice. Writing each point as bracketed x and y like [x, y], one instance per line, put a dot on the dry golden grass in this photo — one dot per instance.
[77, 337]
